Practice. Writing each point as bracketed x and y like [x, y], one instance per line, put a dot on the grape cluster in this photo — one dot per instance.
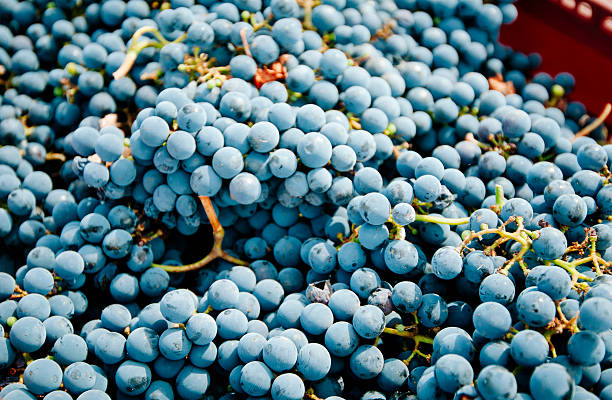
[296, 199]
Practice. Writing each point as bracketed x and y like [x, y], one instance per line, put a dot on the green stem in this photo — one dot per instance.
[569, 267]
[27, 357]
[547, 336]
[499, 197]
[408, 334]
[390, 130]
[442, 220]
[307, 5]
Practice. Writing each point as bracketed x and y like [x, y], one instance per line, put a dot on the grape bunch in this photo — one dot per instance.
[296, 199]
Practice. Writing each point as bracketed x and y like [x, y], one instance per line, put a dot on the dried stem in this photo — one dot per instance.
[596, 123]
[409, 334]
[216, 251]
[245, 42]
[55, 156]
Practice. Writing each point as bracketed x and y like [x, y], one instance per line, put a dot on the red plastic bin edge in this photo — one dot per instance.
[570, 43]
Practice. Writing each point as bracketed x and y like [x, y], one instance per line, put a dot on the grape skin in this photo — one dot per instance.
[330, 161]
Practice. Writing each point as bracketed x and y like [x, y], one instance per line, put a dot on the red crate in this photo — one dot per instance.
[573, 36]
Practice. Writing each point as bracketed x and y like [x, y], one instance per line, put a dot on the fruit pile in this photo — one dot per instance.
[296, 199]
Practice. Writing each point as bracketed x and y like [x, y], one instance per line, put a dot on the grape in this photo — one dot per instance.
[191, 118]
[551, 381]
[555, 283]
[592, 157]
[263, 136]
[341, 339]
[343, 303]
[110, 347]
[34, 305]
[160, 389]
[154, 131]
[245, 188]
[116, 244]
[38, 280]
[594, 315]
[42, 376]
[7, 353]
[328, 160]
[313, 361]
[256, 378]
[250, 346]
[316, 318]
[406, 296]
[369, 321]
[495, 382]
[27, 334]
[231, 324]
[497, 288]
[69, 349]
[7, 285]
[283, 163]
[93, 394]
[516, 124]
[181, 145]
[427, 188]
[452, 372]
[79, 377]
[133, 377]
[142, 345]
[287, 387]
[223, 294]
[269, 293]
[535, 308]
[492, 320]
[322, 258]
[495, 353]
[174, 344]
[58, 395]
[375, 208]
[203, 356]
[177, 305]
[550, 244]
[289, 313]
[356, 99]
[446, 263]
[585, 348]
[529, 348]
[433, 310]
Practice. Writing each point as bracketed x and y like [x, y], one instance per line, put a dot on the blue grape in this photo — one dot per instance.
[42, 376]
[313, 361]
[535, 308]
[256, 378]
[452, 372]
[552, 381]
[287, 386]
[133, 377]
[369, 321]
[529, 348]
[492, 320]
[367, 362]
[495, 382]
